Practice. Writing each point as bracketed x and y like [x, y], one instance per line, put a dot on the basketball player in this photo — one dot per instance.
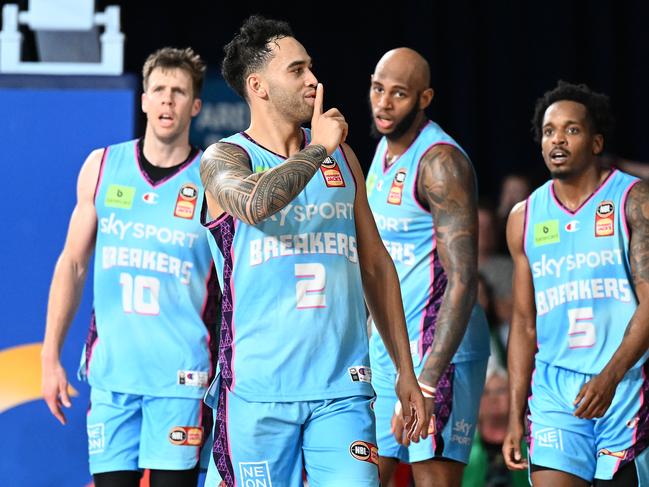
[296, 247]
[148, 355]
[421, 188]
[580, 329]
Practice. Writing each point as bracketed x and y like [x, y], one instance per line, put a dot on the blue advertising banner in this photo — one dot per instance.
[48, 126]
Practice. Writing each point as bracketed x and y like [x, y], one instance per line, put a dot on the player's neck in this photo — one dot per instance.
[163, 153]
[281, 137]
[573, 191]
[398, 146]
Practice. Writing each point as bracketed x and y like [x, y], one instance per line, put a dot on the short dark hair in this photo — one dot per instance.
[170, 58]
[597, 106]
[249, 49]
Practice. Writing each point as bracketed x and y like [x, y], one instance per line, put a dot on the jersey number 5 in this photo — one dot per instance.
[581, 333]
[310, 287]
[140, 294]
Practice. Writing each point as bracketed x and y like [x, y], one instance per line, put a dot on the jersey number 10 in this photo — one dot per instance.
[140, 294]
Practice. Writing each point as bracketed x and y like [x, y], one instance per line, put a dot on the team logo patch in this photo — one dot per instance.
[255, 473]
[605, 219]
[546, 233]
[549, 438]
[331, 173]
[186, 201]
[192, 378]
[118, 196]
[572, 226]
[364, 451]
[632, 423]
[396, 190]
[186, 435]
[360, 373]
[150, 198]
[96, 438]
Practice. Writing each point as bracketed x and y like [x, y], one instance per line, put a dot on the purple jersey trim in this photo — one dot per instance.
[145, 176]
[101, 172]
[223, 235]
[210, 317]
[567, 210]
[641, 434]
[443, 407]
[221, 449]
[431, 311]
[91, 341]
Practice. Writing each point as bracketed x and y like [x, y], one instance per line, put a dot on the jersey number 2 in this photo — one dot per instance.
[140, 294]
[310, 287]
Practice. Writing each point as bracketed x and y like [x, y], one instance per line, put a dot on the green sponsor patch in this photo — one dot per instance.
[259, 169]
[371, 182]
[546, 233]
[120, 196]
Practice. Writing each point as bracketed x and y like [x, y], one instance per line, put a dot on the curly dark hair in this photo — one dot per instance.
[597, 106]
[249, 50]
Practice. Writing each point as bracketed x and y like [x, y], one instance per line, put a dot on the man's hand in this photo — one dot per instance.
[328, 129]
[398, 424]
[54, 386]
[512, 448]
[595, 396]
[414, 418]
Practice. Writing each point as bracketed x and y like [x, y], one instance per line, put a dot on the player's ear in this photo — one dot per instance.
[598, 144]
[425, 98]
[256, 86]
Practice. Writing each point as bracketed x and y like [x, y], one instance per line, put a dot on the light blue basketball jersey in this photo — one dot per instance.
[408, 232]
[151, 274]
[582, 278]
[293, 318]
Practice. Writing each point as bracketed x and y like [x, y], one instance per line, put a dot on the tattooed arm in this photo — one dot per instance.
[231, 186]
[446, 183]
[595, 396]
[253, 197]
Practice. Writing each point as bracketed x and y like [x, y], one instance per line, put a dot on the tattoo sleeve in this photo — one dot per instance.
[253, 197]
[637, 210]
[446, 182]
[636, 336]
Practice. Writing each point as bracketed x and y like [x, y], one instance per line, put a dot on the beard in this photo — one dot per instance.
[399, 129]
[291, 105]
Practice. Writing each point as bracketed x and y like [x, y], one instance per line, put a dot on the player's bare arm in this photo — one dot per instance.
[446, 182]
[253, 197]
[67, 285]
[383, 297]
[521, 346]
[595, 397]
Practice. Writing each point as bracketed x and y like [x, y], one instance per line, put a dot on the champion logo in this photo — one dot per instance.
[572, 226]
[150, 198]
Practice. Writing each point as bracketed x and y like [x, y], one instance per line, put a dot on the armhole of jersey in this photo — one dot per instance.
[415, 195]
[525, 223]
[101, 173]
[205, 217]
[625, 196]
[351, 171]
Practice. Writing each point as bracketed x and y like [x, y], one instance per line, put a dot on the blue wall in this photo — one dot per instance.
[48, 125]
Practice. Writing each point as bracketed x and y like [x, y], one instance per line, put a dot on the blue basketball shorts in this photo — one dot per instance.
[132, 432]
[457, 400]
[588, 448]
[270, 443]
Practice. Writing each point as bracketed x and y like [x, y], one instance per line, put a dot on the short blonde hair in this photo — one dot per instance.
[170, 58]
